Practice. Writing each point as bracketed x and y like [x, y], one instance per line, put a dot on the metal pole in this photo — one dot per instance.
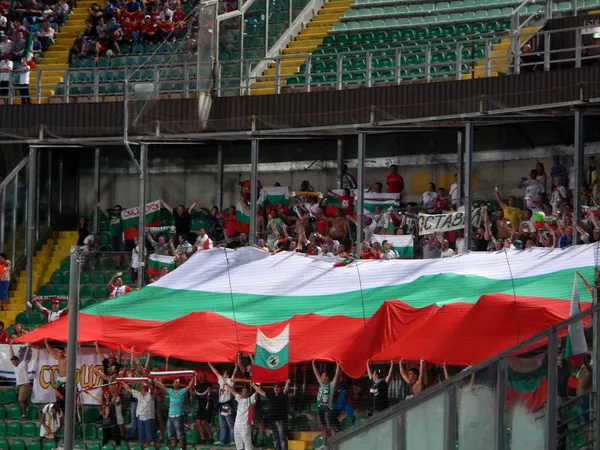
[340, 163]
[460, 169]
[142, 223]
[3, 214]
[15, 211]
[551, 406]
[596, 370]
[38, 171]
[49, 218]
[60, 184]
[501, 382]
[220, 175]
[360, 193]
[451, 417]
[578, 149]
[30, 220]
[468, 182]
[72, 352]
[96, 187]
[253, 186]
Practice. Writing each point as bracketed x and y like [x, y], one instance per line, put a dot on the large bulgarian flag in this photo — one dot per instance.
[527, 382]
[131, 219]
[242, 218]
[576, 343]
[271, 357]
[157, 262]
[480, 303]
[403, 244]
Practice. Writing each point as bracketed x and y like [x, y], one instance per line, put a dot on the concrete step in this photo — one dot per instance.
[331, 8]
[326, 23]
[305, 43]
[304, 51]
[282, 71]
[291, 62]
[262, 91]
[306, 35]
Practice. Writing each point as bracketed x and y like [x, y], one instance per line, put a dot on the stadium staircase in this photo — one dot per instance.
[45, 262]
[57, 56]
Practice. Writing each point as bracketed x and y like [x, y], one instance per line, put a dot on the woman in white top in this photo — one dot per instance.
[542, 177]
[23, 83]
[429, 196]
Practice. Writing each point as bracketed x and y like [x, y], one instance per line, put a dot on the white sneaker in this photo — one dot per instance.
[217, 443]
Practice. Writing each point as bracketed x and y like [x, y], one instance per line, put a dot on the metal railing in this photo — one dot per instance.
[481, 407]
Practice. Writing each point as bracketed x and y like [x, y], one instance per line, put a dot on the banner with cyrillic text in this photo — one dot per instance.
[440, 223]
[44, 383]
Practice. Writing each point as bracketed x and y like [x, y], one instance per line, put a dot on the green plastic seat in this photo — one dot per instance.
[99, 433]
[89, 432]
[84, 278]
[34, 445]
[191, 437]
[81, 445]
[100, 292]
[9, 396]
[46, 290]
[3, 428]
[139, 447]
[97, 447]
[86, 292]
[17, 444]
[108, 264]
[61, 289]
[98, 278]
[91, 415]
[32, 413]
[108, 447]
[57, 277]
[125, 447]
[13, 429]
[22, 318]
[13, 412]
[65, 264]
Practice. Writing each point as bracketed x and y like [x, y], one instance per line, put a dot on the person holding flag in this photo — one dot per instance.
[225, 407]
[145, 412]
[242, 428]
[278, 413]
[325, 399]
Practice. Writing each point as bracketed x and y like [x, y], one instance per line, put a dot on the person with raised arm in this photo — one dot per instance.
[110, 360]
[176, 423]
[21, 379]
[115, 391]
[379, 388]
[278, 402]
[182, 217]
[146, 426]
[242, 429]
[325, 400]
[204, 413]
[55, 313]
[109, 416]
[416, 379]
[225, 407]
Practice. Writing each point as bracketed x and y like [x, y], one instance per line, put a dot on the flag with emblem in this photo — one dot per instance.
[271, 357]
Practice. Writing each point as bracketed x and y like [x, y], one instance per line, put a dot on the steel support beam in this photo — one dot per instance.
[96, 187]
[30, 220]
[60, 183]
[71, 385]
[220, 176]
[38, 177]
[340, 162]
[253, 187]
[50, 173]
[578, 156]
[142, 221]
[460, 169]
[551, 406]
[501, 383]
[596, 370]
[468, 197]
[360, 193]
[15, 211]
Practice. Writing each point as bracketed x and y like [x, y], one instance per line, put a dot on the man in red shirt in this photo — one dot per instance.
[230, 222]
[4, 336]
[166, 27]
[246, 185]
[130, 28]
[441, 202]
[179, 14]
[148, 29]
[395, 182]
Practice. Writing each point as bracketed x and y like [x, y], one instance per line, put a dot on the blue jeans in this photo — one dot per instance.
[225, 426]
[4, 290]
[176, 427]
[280, 435]
[146, 431]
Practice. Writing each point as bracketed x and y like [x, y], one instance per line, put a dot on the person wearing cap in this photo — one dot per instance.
[21, 378]
[110, 360]
[379, 389]
[148, 29]
[55, 313]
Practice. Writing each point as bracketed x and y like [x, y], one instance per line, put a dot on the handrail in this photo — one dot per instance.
[13, 173]
[432, 392]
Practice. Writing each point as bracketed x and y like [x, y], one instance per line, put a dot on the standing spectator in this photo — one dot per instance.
[229, 223]
[446, 250]
[541, 176]
[46, 35]
[3, 22]
[109, 415]
[204, 242]
[243, 428]
[5, 267]
[245, 186]
[532, 187]
[18, 49]
[4, 336]
[61, 9]
[429, 197]
[325, 400]
[6, 45]
[204, 413]
[510, 210]
[454, 194]
[278, 413]
[148, 29]
[225, 406]
[55, 313]
[145, 413]
[83, 230]
[394, 181]
[348, 180]
[134, 263]
[559, 195]
[559, 170]
[50, 422]
[6, 67]
[183, 250]
[388, 251]
[416, 379]
[162, 247]
[115, 229]
[182, 217]
[78, 50]
[379, 388]
[36, 48]
[442, 203]
[116, 286]
[22, 379]
[85, 257]
[23, 81]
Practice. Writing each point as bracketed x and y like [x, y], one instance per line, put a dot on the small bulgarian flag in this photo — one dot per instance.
[336, 199]
[403, 244]
[271, 357]
[373, 199]
[157, 262]
[242, 218]
[576, 343]
[130, 219]
[274, 196]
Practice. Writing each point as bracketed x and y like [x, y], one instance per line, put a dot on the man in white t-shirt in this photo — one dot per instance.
[22, 379]
[454, 197]
[242, 430]
[55, 313]
[388, 251]
[6, 67]
[446, 250]
[225, 406]
[134, 263]
[532, 187]
[203, 242]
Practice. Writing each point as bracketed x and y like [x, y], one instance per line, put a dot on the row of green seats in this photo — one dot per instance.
[456, 7]
[421, 20]
[15, 429]
[13, 411]
[80, 76]
[8, 396]
[98, 276]
[420, 34]
[101, 263]
[19, 444]
[133, 61]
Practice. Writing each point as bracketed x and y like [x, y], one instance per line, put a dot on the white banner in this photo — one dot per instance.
[439, 223]
[44, 382]
[7, 370]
